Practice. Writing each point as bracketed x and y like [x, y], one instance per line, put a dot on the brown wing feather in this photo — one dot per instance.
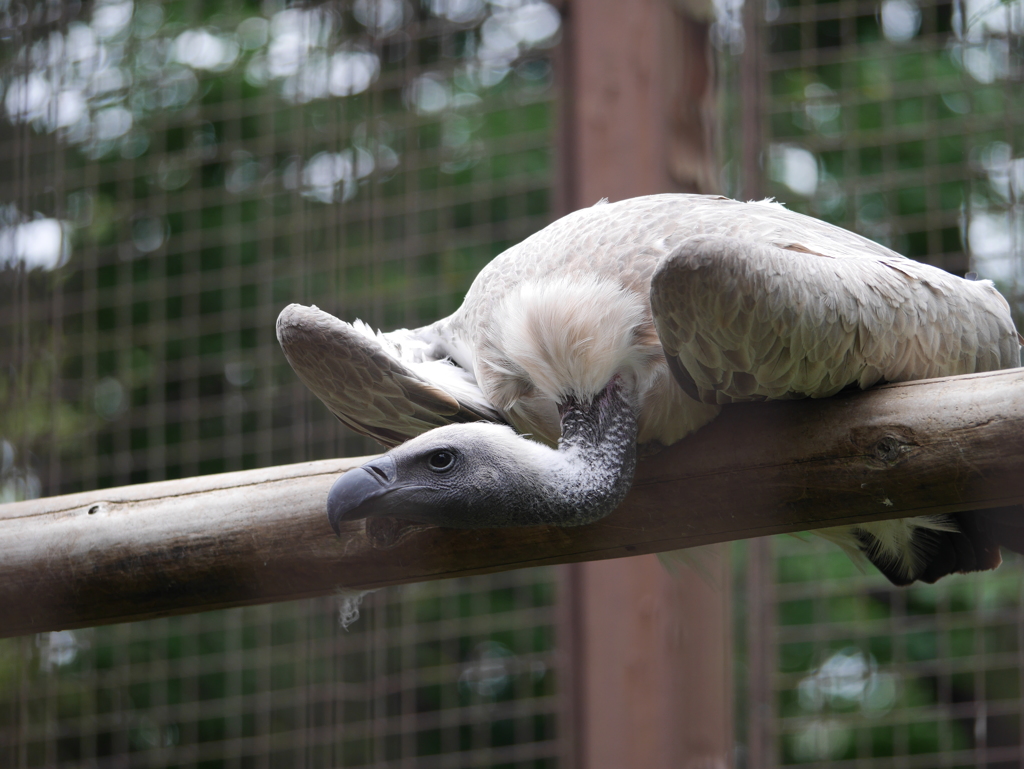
[753, 321]
[362, 385]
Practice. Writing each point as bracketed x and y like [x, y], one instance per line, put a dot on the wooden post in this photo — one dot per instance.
[655, 663]
[650, 652]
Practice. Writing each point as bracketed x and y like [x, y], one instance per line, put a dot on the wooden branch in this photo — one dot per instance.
[258, 536]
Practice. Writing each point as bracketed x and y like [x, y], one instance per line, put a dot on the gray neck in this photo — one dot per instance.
[598, 449]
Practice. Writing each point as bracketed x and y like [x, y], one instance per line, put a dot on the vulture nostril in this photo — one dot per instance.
[379, 471]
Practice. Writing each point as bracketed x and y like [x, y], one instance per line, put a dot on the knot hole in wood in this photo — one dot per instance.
[889, 448]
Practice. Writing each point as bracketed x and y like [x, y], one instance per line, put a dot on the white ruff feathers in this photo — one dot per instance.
[568, 337]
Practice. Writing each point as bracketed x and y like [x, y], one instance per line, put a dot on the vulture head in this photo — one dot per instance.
[485, 475]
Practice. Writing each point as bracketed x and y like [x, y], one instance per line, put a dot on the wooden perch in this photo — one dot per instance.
[211, 542]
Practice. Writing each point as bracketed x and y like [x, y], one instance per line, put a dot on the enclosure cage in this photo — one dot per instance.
[173, 173]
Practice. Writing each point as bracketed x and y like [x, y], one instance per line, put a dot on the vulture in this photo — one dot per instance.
[630, 325]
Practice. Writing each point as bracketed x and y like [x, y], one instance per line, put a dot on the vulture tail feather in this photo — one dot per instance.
[1004, 525]
[966, 543]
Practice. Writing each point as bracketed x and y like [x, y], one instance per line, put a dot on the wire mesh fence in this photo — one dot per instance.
[869, 674]
[438, 675]
[900, 120]
[171, 176]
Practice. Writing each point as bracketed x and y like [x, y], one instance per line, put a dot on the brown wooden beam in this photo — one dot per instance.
[257, 536]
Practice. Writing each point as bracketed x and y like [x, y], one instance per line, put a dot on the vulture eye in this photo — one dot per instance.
[441, 461]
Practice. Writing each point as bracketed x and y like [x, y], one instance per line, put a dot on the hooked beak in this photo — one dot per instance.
[352, 495]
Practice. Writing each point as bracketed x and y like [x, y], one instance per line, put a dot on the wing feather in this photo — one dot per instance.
[368, 387]
[750, 320]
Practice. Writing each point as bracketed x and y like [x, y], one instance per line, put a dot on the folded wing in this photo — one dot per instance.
[742, 320]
